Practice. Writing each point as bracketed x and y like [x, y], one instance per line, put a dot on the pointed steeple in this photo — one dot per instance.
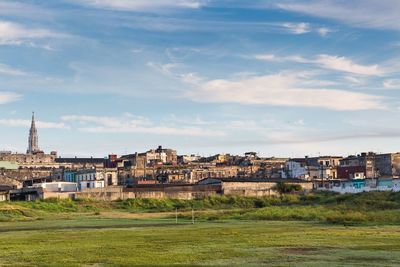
[33, 120]
[33, 137]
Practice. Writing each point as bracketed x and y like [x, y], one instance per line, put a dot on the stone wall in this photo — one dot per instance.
[257, 189]
[155, 191]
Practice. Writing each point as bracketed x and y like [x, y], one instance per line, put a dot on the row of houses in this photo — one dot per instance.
[163, 166]
[362, 166]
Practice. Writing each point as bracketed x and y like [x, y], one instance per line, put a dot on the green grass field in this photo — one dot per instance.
[123, 242]
[312, 230]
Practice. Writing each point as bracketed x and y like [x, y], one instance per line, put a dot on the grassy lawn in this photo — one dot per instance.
[293, 230]
[102, 241]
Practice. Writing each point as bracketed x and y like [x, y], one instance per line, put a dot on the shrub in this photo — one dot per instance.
[285, 188]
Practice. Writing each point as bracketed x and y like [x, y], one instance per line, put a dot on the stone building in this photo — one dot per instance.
[33, 140]
[358, 167]
[387, 165]
[34, 157]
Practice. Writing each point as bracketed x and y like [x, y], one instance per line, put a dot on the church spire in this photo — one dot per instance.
[33, 137]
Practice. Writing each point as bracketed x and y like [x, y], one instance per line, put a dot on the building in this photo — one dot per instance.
[296, 169]
[81, 163]
[95, 178]
[69, 176]
[36, 160]
[387, 165]
[89, 179]
[8, 165]
[185, 159]
[33, 140]
[57, 186]
[170, 155]
[34, 157]
[358, 167]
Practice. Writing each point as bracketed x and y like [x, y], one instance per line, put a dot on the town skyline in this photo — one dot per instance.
[289, 78]
[33, 148]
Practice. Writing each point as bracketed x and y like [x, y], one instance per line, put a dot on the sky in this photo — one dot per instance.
[284, 78]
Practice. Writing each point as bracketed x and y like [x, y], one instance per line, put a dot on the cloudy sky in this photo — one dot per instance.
[283, 78]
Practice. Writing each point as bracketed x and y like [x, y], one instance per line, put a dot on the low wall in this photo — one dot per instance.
[185, 192]
[258, 189]
[59, 195]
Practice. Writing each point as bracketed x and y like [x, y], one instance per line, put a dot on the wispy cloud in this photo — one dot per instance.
[165, 23]
[282, 89]
[7, 97]
[16, 34]
[324, 31]
[27, 123]
[142, 5]
[346, 65]
[133, 124]
[298, 28]
[330, 62]
[354, 80]
[391, 84]
[383, 14]
[7, 70]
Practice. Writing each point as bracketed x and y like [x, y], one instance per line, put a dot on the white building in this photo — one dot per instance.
[57, 186]
[96, 178]
[295, 169]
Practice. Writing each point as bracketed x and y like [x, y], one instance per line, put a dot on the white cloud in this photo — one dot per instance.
[191, 78]
[138, 5]
[354, 80]
[298, 28]
[7, 70]
[7, 97]
[347, 65]
[300, 122]
[382, 14]
[166, 69]
[303, 27]
[391, 84]
[133, 124]
[282, 89]
[324, 31]
[16, 34]
[27, 123]
[274, 58]
[188, 120]
[330, 62]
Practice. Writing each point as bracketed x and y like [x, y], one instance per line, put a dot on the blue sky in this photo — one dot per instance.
[283, 78]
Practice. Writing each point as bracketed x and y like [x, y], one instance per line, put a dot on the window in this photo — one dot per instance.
[88, 185]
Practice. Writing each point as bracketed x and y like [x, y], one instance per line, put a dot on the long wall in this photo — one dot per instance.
[185, 192]
[257, 189]
[176, 192]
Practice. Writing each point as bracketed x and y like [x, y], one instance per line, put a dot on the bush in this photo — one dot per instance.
[285, 188]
